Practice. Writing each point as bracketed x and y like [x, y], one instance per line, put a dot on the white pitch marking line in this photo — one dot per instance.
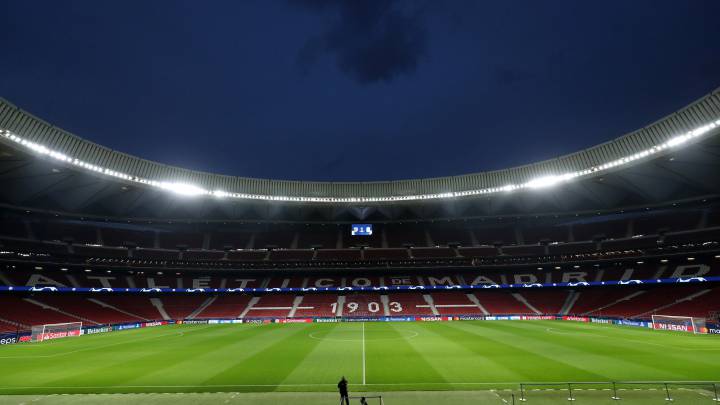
[498, 395]
[363, 351]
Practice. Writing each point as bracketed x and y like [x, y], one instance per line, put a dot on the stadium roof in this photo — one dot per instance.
[693, 128]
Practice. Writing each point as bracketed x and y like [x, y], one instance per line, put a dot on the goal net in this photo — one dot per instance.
[679, 323]
[55, 331]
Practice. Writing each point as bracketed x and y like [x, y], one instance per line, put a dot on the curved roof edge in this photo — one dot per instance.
[700, 118]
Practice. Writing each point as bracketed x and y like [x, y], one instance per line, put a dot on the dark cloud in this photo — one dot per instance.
[370, 40]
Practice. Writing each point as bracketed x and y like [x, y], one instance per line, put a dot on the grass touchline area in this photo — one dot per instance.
[386, 356]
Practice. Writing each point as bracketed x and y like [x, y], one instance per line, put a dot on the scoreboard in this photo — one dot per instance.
[361, 230]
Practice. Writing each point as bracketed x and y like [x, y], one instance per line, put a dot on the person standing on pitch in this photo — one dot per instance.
[342, 387]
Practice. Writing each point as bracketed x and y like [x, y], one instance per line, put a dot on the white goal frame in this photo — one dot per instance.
[695, 322]
[40, 332]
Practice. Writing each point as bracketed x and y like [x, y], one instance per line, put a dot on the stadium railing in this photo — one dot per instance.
[616, 389]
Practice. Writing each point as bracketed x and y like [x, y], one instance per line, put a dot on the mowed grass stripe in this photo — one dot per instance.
[396, 358]
[651, 358]
[524, 357]
[204, 358]
[469, 358]
[400, 356]
[538, 358]
[100, 354]
[273, 363]
[128, 365]
[338, 352]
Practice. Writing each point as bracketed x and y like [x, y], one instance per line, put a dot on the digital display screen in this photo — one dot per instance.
[361, 230]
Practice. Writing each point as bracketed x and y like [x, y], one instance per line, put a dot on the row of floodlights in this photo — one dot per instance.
[186, 189]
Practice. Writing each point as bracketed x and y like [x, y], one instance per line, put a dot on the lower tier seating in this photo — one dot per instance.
[637, 302]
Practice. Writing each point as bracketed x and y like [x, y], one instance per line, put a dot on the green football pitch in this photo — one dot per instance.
[414, 362]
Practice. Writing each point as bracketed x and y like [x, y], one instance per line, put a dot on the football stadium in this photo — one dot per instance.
[590, 277]
[125, 276]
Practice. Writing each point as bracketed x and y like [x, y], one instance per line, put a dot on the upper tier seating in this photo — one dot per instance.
[319, 235]
[528, 250]
[222, 240]
[291, 255]
[385, 254]
[595, 227]
[173, 240]
[13, 228]
[496, 234]
[102, 252]
[480, 251]
[123, 237]
[246, 255]
[670, 221]
[203, 255]
[534, 233]
[65, 232]
[572, 248]
[338, 254]
[155, 254]
[639, 243]
[444, 233]
[433, 252]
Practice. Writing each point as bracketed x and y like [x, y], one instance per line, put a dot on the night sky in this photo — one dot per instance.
[362, 90]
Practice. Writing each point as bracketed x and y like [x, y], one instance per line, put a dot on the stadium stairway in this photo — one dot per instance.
[409, 304]
[56, 309]
[431, 304]
[139, 306]
[475, 301]
[225, 306]
[202, 307]
[317, 305]
[181, 306]
[676, 302]
[111, 307]
[522, 299]
[160, 308]
[570, 301]
[649, 301]
[547, 301]
[82, 307]
[7, 325]
[601, 310]
[271, 306]
[500, 303]
[701, 305]
[455, 303]
[28, 312]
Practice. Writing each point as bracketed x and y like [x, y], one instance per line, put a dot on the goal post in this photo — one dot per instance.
[50, 331]
[679, 323]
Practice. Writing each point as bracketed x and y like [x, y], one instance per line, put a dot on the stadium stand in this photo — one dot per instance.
[135, 241]
[222, 306]
[317, 305]
[455, 303]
